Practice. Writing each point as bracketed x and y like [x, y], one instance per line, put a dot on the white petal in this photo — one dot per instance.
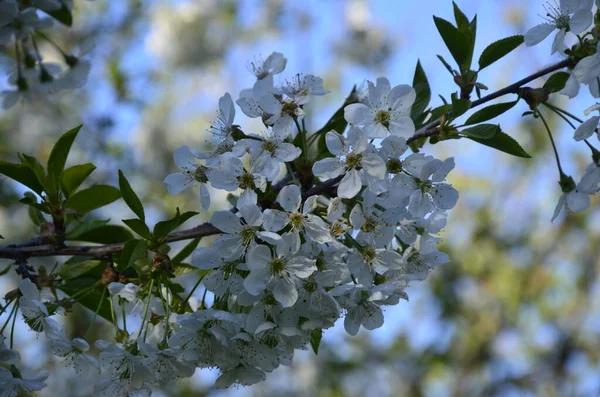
[581, 20]
[577, 201]
[275, 220]
[357, 139]
[258, 257]
[328, 168]
[444, 196]
[571, 88]
[586, 129]
[588, 69]
[285, 291]
[376, 130]
[379, 92]
[402, 126]
[184, 158]
[401, 98]
[206, 258]
[538, 33]
[559, 207]
[290, 198]
[350, 185]
[257, 281]
[358, 113]
[335, 143]
[352, 321]
[373, 317]
[177, 183]
[204, 197]
[374, 165]
[226, 221]
[287, 152]
[558, 45]
[227, 109]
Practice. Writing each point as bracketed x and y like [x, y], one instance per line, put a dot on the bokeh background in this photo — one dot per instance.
[516, 312]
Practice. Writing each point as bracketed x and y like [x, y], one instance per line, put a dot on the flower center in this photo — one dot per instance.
[394, 166]
[369, 254]
[289, 108]
[246, 180]
[337, 229]
[277, 266]
[557, 16]
[369, 226]
[200, 174]
[296, 221]
[353, 160]
[269, 146]
[383, 117]
[247, 233]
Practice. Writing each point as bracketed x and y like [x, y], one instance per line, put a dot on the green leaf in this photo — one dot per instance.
[6, 269]
[97, 231]
[490, 112]
[22, 174]
[132, 251]
[93, 197]
[73, 177]
[462, 22]
[78, 266]
[132, 200]
[459, 106]
[186, 251]
[36, 216]
[446, 64]
[456, 41]
[481, 131]
[499, 49]
[91, 299]
[163, 228]
[35, 166]
[139, 227]
[505, 143]
[557, 81]
[181, 268]
[62, 15]
[421, 86]
[58, 156]
[315, 339]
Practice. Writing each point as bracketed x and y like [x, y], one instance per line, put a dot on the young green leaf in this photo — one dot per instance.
[72, 177]
[481, 131]
[132, 251]
[36, 216]
[58, 155]
[490, 112]
[22, 174]
[163, 228]
[78, 267]
[36, 167]
[456, 41]
[93, 197]
[557, 81]
[132, 200]
[97, 232]
[462, 22]
[505, 143]
[459, 106]
[91, 300]
[139, 227]
[421, 86]
[315, 339]
[499, 49]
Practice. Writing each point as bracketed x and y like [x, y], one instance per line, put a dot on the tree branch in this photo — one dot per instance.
[34, 248]
[431, 130]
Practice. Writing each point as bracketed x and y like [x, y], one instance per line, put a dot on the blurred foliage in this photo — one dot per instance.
[517, 311]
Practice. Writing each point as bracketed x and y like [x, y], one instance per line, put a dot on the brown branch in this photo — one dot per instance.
[28, 250]
[431, 128]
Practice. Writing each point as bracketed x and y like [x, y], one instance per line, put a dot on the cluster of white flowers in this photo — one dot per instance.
[32, 77]
[280, 275]
[576, 17]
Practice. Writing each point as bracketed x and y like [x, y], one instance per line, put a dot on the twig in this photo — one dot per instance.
[431, 130]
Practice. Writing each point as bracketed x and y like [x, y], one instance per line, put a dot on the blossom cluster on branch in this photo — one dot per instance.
[323, 225]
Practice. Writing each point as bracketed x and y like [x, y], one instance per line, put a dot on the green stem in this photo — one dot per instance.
[3, 309]
[557, 109]
[560, 170]
[562, 116]
[96, 313]
[146, 311]
[12, 329]
[303, 136]
[113, 315]
[203, 299]
[187, 298]
[14, 309]
[123, 314]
